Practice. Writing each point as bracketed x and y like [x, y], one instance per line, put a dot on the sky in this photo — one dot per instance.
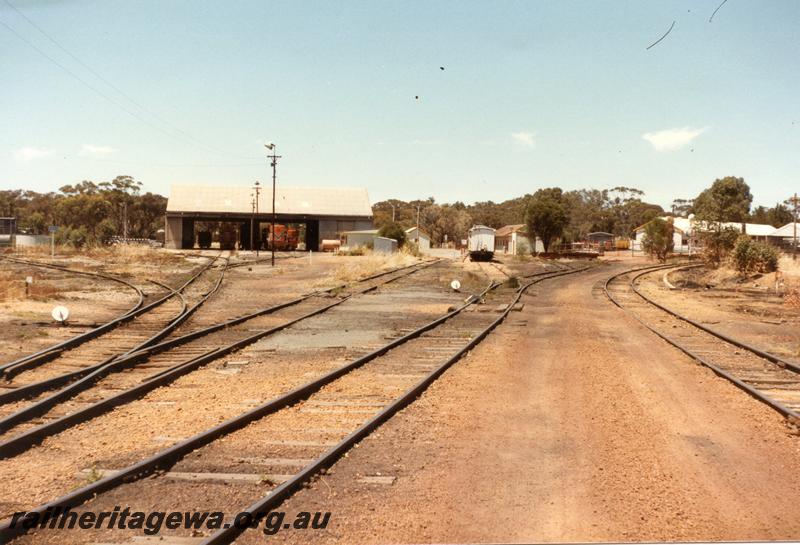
[466, 101]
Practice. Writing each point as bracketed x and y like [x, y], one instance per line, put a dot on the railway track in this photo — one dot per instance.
[151, 367]
[765, 376]
[50, 352]
[277, 446]
[25, 381]
[109, 339]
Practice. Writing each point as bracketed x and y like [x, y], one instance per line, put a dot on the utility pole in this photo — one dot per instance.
[273, 148]
[257, 189]
[794, 202]
[390, 204]
[418, 206]
[252, 221]
[125, 220]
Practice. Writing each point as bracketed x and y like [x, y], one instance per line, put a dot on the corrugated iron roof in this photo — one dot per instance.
[361, 232]
[755, 229]
[689, 226]
[422, 232]
[508, 229]
[322, 201]
[786, 231]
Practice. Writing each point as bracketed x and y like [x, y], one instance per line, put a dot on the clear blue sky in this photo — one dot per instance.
[533, 94]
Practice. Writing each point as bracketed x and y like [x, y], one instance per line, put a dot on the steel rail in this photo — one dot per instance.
[54, 382]
[34, 360]
[246, 263]
[754, 392]
[727, 338]
[31, 437]
[63, 345]
[36, 388]
[84, 273]
[171, 455]
[42, 406]
[184, 315]
[260, 508]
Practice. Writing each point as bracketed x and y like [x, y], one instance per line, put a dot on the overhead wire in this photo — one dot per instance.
[188, 137]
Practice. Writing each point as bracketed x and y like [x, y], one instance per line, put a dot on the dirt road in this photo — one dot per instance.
[571, 423]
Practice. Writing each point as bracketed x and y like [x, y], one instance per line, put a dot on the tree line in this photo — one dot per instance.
[92, 213]
[87, 213]
[555, 215]
[565, 215]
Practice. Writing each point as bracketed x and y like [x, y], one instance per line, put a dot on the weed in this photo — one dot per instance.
[94, 475]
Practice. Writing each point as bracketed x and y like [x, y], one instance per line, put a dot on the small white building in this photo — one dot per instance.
[419, 237]
[681, 235]
[384, 245]
[758, 231]
[784, 236]
[685, 237]
[353, 239]
[513, 239]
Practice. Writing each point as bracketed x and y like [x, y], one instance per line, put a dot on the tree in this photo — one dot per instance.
[658, 241]
[588, 212]
[393, 230]
[94, 211]
[727, 200]
[777, 216]
[681, 207]
[546, 215]
[718, 243]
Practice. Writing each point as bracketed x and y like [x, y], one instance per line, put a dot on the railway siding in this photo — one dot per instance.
[765, 376]
[342, 404]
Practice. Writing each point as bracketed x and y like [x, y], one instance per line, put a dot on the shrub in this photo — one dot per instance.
[78, 237]
[750, 256]
[658, 241]
[354, 251]
[393, 230]
[106, 229]
[411, 248]
[718, 244]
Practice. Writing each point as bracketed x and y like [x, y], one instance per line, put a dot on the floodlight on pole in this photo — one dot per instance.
[257, 191]
[272, 147]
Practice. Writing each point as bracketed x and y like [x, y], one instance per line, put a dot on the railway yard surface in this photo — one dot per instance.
[614, 399]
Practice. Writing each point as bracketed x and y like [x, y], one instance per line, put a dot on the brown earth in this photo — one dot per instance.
[571, 423]
[750, 310]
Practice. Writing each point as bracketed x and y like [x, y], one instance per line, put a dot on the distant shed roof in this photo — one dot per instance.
[506, 230]
[785, 231]
[756, 229]
[361, 232]
[422, 233]
[321, 201]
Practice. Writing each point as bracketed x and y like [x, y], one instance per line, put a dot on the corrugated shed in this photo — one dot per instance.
[786, 231]
[508, 229]
[689, 226]
[756, 229]
[318, 201]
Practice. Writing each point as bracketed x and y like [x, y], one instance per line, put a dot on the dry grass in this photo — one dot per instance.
[122, 253]
[789, 267]
[356, 268]
[792, 298]
[123, 260]
[12, 288]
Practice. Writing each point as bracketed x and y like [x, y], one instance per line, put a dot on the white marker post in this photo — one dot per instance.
[53, 229]
[60, 314]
